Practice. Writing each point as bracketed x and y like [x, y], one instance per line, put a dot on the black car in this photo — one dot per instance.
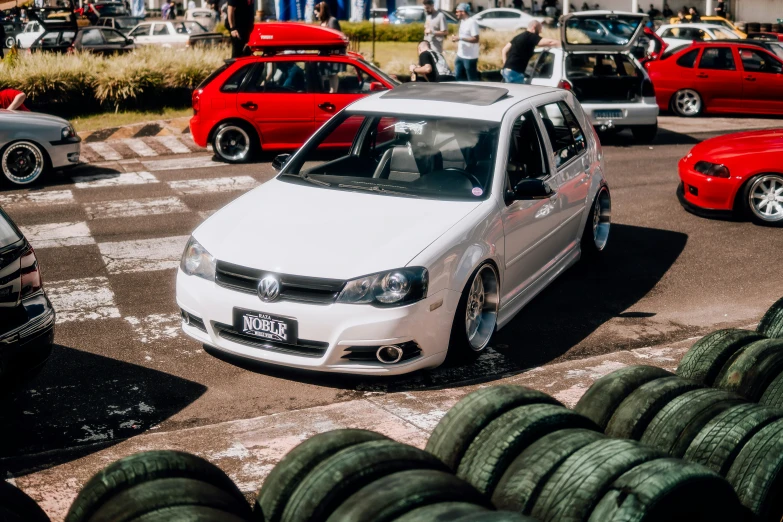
[11, 29]
[122, 23]
[98, 40]
[111, 8]
[26, 314]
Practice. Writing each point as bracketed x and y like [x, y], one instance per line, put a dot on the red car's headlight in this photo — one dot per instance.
[712, 169]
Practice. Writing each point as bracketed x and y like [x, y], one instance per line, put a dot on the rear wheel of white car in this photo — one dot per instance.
[764, 199]
[23, 162]
[234, 142]
[596, 234]
[687, 102]
[476, 316]
[9, 42]
[644, 133]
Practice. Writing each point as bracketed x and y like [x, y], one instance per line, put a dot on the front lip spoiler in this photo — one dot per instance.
[699, 211]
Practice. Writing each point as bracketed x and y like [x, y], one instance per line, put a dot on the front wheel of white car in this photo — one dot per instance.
[23, 162]
[476, 316]
[596, 233]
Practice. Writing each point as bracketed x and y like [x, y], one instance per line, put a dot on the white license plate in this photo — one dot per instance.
[265, 326]
[608, 115]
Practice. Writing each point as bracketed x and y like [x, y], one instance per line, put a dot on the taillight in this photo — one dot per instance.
[648, 90]
[31, 274]
[196, 100]
[565, 84]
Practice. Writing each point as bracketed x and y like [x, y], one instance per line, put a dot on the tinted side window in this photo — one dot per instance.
[49, 39]
[92, 38]
[720, 58]
[142, 30]
[565, 134]
[688, 59]
[347, 78]
[759, 61]
[545, 66]
[525, 151]
[235, 80]
[280, 77]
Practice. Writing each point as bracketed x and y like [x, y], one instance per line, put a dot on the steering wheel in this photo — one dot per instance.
[473, 179]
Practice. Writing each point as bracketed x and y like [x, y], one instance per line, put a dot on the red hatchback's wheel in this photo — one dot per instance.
[764, 199]
[687, 102]
[234, 142]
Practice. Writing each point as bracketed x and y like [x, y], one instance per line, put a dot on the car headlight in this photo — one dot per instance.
[197, 261]
[67, 132]
[712, 169]
[393, 288]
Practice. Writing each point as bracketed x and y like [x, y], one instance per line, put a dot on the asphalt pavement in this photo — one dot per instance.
[109, 237]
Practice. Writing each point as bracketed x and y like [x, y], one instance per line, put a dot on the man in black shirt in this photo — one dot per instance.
[432, 66]
[518, 52]
[240, 22]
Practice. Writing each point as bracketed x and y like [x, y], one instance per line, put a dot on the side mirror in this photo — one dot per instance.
[280, 160]
[528, 189]
[377, 87]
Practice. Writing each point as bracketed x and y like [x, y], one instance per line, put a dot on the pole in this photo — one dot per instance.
[374, 15]
[566, 6]
[708, 8]
[634, 6]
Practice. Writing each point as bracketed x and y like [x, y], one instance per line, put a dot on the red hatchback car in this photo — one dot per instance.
[735, 174]
[276, 99]
[718, 77]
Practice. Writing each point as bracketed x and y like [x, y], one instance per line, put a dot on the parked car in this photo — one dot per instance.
[504, 19]
[123, 24]
[714, 20]
[414, 14]
[206, 17]
[111, 8]
[735, 175]
[26, 315]
[445, 211]
[680, 34]
[277, 101]
[31, 144]
[97, 40]
[613, 88]
[740, 76]
[30, 33]
[174, 34]
[11, 30]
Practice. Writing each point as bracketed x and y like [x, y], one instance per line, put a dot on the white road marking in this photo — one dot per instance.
[104, 150]
[135, 207]
[198, 162]
[206, 186]
[173, 144]
[155, 327]
[51, 197]
[111, 180]
[139, 147]
[143, 255]
[82, 299]
[58, 235]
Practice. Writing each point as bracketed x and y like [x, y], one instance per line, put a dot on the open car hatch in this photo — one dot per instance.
[601, 31]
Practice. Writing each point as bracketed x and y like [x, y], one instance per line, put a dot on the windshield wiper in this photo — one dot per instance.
[314, 181]
[377, 188]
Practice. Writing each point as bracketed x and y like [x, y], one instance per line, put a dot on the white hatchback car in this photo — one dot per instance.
[596, 61]
[504, 19]
[414, 223]
[677, 35]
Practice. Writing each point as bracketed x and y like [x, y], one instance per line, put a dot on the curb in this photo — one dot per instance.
[173, 127]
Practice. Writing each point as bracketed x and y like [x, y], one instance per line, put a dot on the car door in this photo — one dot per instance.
[92, 40]
[762, 80]
[278, 98]
[115, 41]
[718, 79]
[340, 83]
[161, 34]
[141, 33]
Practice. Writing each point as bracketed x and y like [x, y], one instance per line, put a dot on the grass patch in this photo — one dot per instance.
[111, 119]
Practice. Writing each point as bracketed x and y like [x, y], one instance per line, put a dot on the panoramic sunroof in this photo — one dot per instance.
[447, 92]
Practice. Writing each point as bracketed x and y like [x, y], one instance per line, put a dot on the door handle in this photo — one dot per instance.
[249, 106]
[750, 78]
[702, 75]
[326, 106]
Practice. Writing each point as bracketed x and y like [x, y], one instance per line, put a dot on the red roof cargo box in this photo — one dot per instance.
[277, 37]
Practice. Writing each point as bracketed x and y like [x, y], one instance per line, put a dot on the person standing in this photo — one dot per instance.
[466, 64]
[240, 24]
[326, 18]
[517, 53]
[695, 18]
[435, 28]
[720, 10]
[667, 12]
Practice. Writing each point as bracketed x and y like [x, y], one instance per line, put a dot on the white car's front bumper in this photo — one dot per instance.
[427, 323]
[627, 114]
[64, 153]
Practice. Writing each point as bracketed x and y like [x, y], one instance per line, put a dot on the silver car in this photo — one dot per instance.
[31, 144]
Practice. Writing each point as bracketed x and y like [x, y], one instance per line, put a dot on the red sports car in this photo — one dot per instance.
[734, 175]
[719, 77]
[275, 101]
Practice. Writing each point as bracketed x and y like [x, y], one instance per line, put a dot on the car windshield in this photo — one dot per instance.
[410, 156]
[776, 48]
[126, 23]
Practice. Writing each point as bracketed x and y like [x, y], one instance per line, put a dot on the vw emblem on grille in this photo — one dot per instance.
[269, 289]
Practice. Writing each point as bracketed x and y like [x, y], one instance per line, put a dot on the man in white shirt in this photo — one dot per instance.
[466, 64]
[434, 26]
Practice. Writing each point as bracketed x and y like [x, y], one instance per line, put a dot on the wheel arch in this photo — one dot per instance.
[738, 204]
[238, 121]
[687, 88]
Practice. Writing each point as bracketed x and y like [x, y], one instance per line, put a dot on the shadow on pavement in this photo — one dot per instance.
[115, 400]
[665, 137]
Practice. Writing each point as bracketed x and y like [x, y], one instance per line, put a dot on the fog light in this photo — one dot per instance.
[389, 354]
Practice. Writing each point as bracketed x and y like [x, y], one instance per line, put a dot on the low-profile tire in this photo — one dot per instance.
[771, 325]
[645, 133]
[634, 414]
[753, 370]
[756, 194]
[464, 421]
[443, 512]
[607, 393]
[335, 479]
[687, 103]
[524, 479]
[235, 142]
[475, 319]
[668, 490]
[595, 236]
[773, 395]
[580, 481]
[286, 476]
[139, 468]
[757, 473]
[9, 42]
[720, 441]
[678, 423]
[23, 163]
[16, 501]
[395, 495]
[189, 514]
[154, 495]
[497, 445]
[707, 357]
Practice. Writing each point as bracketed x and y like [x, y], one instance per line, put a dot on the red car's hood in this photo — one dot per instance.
[729, 146]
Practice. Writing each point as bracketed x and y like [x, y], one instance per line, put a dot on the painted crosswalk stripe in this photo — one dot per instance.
[173, 144]
[51, 235]
[197, 162]
[112, 179]
[135, 207]
[104, 150]
[51, 197]
[139, 147]
[206, 186]
[82, 299]
[143, 255]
